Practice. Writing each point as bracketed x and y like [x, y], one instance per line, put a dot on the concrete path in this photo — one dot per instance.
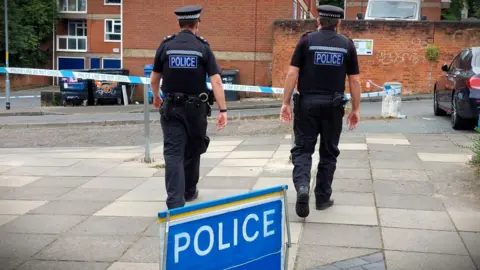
[401, 202]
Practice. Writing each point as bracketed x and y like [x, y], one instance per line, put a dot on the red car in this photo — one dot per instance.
[457, 91]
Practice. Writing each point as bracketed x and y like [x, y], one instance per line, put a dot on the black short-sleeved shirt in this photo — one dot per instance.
[184, 61]
[324, 59]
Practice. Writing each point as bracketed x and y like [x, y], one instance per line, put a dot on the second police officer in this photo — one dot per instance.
[321, 62]
[183, 61]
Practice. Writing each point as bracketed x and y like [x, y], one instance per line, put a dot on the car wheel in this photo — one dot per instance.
[436, 109]
[457, 122]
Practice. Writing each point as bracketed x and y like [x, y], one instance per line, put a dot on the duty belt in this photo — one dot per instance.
[181, 97]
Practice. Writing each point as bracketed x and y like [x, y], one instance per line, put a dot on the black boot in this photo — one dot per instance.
[302, 207]
[323, 205]
[192, 197]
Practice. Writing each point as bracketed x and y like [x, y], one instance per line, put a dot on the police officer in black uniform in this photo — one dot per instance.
[321, 62]
[184, 60]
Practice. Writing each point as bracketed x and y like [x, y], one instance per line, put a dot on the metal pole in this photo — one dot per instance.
[146, 114]
[7, 80]
[287, 221]
[121, 34]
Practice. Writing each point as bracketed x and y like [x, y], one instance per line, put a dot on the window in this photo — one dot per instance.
[73, 6]
[113, 30]
[77, 28]
[455, 63]
[392, 9]
[113, 2]
[466, 61]
[295, 4]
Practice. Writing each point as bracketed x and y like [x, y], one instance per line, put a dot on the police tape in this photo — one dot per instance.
[146, 80]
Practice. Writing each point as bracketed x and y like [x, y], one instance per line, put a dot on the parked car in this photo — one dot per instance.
[457, 91]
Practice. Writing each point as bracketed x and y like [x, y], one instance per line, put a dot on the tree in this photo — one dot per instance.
[30, 23]
[456, 6]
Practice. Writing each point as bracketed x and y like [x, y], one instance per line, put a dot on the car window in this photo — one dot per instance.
[476, 60]
[466, 60]
[455, 63]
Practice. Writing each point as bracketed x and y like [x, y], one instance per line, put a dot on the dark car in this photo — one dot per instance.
[457, 91]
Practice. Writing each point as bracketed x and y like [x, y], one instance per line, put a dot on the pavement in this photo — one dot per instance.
[112, 115]
[402, 201]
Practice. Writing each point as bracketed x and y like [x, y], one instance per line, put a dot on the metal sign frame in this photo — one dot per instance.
[224, 206]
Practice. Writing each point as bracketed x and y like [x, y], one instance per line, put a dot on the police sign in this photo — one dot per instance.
[241, 232]
[331, 59]
[183, 61]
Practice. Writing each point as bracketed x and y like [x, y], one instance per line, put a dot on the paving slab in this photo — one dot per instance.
[399, 175]
[220, 182]
[59, 182]
[352, 146]
[126, 183]
[214, 155]
[18, 207]
[254, 162]
[4, 219]
[121, 226]
[352, 185]
[266, 147]
[408, 201]
[423, 241]
[353, 163]
[403, 187]
[16, 181]
[397, 260]
[436, 157]
[87, 248]
[92, 194]
[351, 154]
[251, 154]
[60, 265]
[338, 214]
[213, 194]
[19, 246]
[207, 162]
[221, 148]
[34, 193]
[41, 224]
[397, 157]
[238, 171]
[400, 164]
[389, 141]
[10, 263]
[353, 198]
[312, 256]
[472, 241]
[391, 148]
[80, 208]
[86, 168]
[134, 266]
[416, 219]
[267, 182]
[346, 173]
[465, 220]
[132, 209]
[146, 250]
[129, 173]
[296, 231]
[341, 235]
[32, 171]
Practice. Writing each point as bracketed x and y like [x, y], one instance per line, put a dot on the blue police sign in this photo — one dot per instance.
[183, 61]
[331, 59]
[241, 232]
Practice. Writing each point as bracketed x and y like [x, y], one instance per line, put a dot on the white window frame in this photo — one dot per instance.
[104, 58]
[65, 3]
[111, 4]
[78, 24]
[113, 27]
[295, 7]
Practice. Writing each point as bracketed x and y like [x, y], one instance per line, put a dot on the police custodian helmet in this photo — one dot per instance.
[329, 11]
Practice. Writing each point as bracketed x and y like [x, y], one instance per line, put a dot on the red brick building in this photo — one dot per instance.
[88, 34]
[239, 32]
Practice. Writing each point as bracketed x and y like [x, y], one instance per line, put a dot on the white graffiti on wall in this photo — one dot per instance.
[412, 52]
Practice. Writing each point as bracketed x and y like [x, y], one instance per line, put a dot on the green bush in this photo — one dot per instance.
[433, 53]
[476, 147]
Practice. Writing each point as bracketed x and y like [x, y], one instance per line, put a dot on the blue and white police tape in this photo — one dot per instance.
[145, 80]
[22, 97]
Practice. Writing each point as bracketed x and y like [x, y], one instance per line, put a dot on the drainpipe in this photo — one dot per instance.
[121, 34]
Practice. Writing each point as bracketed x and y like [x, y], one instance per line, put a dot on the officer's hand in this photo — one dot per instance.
[157, 101]
[353, 119]
[286, 113]
[221, 120]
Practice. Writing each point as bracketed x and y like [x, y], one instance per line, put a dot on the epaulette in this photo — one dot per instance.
[167, 38]
[203, 40]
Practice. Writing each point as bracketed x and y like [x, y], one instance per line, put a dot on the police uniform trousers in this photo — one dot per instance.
[313, 115]
[184, 125]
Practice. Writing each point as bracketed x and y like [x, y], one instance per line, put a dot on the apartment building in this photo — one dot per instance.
[88, 34]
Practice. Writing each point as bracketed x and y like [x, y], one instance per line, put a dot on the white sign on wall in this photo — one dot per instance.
[364, 46]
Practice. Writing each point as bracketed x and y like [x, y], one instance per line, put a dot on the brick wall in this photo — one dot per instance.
[399, 49]
[241, 27]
